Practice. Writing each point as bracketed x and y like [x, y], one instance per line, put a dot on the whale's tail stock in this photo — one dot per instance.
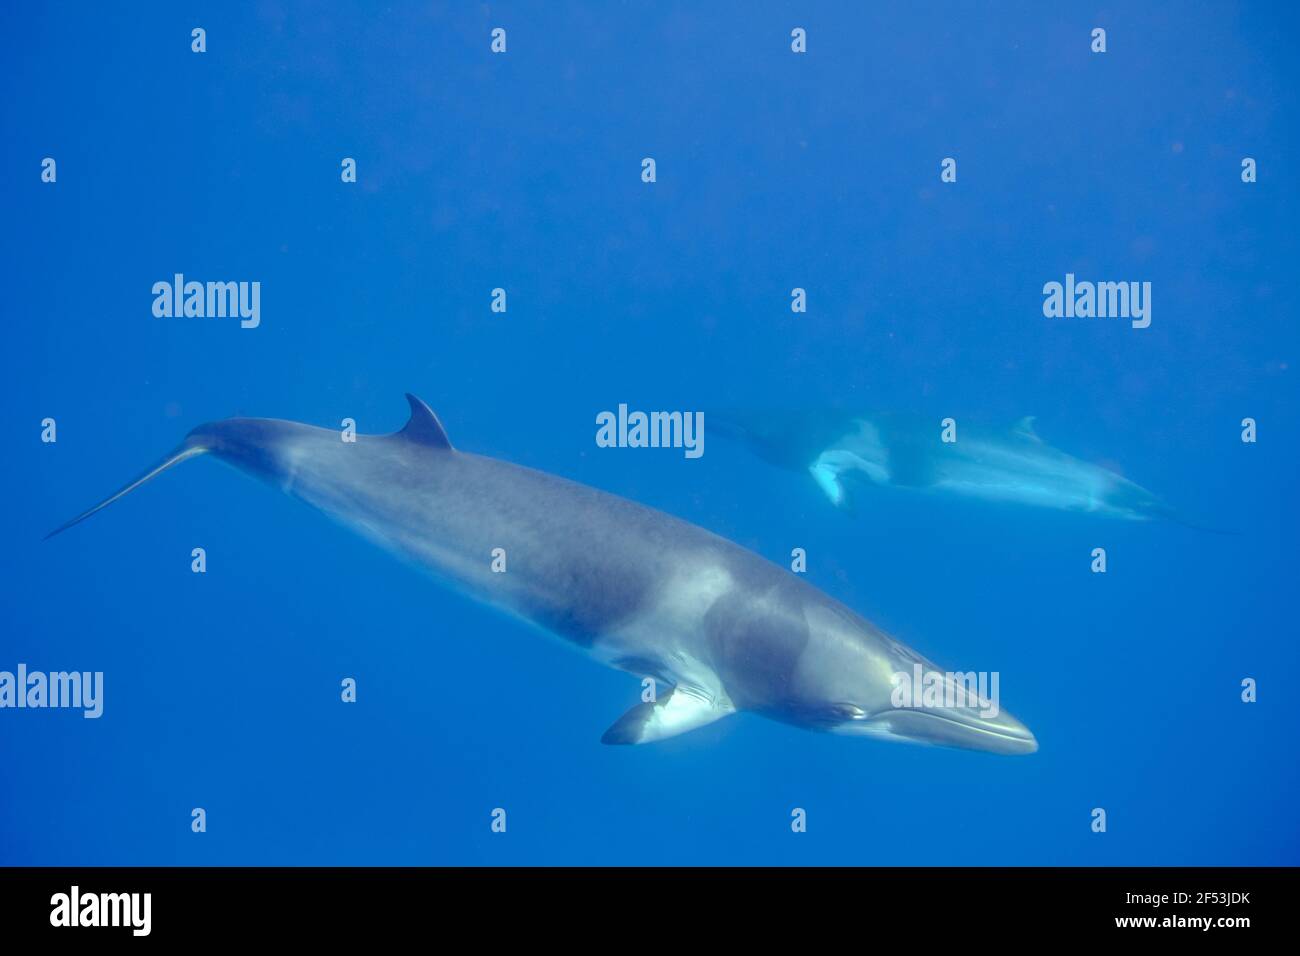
[244, 442]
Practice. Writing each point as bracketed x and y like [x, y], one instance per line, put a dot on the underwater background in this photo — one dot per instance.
[522, 170]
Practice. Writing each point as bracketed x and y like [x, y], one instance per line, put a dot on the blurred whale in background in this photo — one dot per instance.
[722, 628]
[841, 451]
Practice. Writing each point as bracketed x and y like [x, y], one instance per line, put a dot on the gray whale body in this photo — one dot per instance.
[844, 452]
[633, 587]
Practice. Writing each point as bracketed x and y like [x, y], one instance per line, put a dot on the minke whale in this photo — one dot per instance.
[844, 452]
[717, 627]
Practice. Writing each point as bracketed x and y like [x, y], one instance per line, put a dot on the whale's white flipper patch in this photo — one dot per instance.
[678, 711]
[859, 452]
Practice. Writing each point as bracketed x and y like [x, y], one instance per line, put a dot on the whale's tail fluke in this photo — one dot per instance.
[193, 445]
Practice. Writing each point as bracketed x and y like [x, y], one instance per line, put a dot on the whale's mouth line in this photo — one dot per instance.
[1002, 733]
[984, 730]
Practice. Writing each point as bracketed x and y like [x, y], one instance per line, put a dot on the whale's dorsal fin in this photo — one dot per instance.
[1025, 429]
[423, 426]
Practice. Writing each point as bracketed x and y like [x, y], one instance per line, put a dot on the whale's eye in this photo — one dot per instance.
[848, 712]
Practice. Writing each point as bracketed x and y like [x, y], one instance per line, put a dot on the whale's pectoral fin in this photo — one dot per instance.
[827, 477]
[676, 712]
[833, 471]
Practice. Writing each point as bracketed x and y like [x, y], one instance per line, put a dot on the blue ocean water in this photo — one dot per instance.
[522, 171]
